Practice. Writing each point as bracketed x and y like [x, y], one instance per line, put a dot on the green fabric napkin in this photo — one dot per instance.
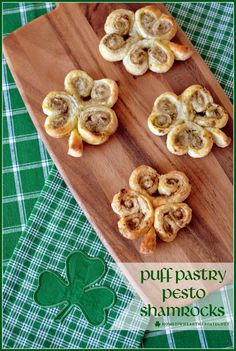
[26, 164]
[56, 228]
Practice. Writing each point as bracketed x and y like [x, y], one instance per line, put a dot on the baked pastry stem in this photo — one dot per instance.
[81, 85]
[189, 138]
[75, 144]
[149, 243]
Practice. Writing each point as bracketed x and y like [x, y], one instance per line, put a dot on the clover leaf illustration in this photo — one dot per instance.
[82, 273]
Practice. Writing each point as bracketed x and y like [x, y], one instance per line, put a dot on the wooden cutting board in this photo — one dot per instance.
[41, 53]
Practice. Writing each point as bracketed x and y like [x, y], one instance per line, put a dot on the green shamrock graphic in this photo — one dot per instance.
[157, 324]
[82, 273]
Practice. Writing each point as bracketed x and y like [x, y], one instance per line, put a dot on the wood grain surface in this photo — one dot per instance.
[41, 53]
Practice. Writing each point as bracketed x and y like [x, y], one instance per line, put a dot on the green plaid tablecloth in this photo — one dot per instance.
[26, 165]
[25, 160]
[57, 227]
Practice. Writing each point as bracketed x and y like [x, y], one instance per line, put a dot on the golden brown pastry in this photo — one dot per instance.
[151, 191]
[62, 111]
[145, 180]
[219, 137]
[181, 52]
[189, 138]
[113, 47]
[160, 189]
[103, 91]
[79, 84]
[192, 122]
[136, 213]
[173, 187]
[120, 22]
[75, 144]
[166, 112]
[142, 40]
[148, 54]
[170, 218]
[151, 23]
[149, 242]
[96, 123]
[201, 108]
[83, 111]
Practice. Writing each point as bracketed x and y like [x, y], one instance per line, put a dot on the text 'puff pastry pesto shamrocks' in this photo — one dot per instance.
[142, 40]
[82, 111]
[191, 121]
[153, 206]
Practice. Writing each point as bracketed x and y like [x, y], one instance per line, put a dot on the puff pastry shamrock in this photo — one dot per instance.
[142, 40]
[191, 121]
[83, 111]
[153, 207]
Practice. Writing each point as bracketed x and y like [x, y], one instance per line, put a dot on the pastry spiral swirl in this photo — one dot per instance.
[96, 123]
[166, 113]
[148, 54]
[81, 85]
[145, 180]
[189, 138]
[192, 122]
[62, 111]
[151, 23]
[149, 242]
[171, 187]
[202, 109]
[169, 219]
[113, 47]
[135, 211]
[141, 40]
[82, 111]
[151, 195]
[119, 22]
